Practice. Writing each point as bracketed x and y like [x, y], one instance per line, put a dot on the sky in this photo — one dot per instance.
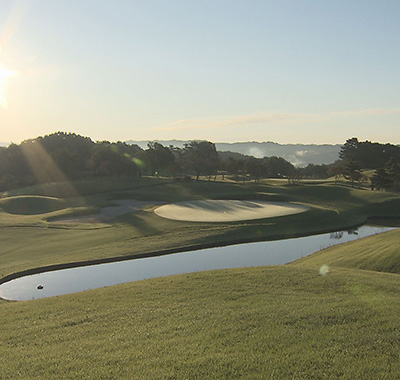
[288, 71]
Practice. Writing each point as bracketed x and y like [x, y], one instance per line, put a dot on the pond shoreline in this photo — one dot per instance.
[106, 260]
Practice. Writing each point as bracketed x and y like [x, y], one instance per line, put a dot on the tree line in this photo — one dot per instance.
[384, 159]
[67, 156]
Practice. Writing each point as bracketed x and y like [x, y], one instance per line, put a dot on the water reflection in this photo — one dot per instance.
[353, 232]
[339, 234]
[242, 255]
[336, 235]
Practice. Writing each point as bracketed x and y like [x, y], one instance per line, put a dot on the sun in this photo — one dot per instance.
[5, 74]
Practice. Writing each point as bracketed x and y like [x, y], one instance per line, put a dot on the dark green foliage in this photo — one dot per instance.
[257, 168]
[352, 172]
[393, 169]
[385, 158]
[159, 159]
[113, 159]
[71, 142]
[381, 179]
[277, 167]
[200, 157]
[60, 157]
[14, 169]
[348, 151]
[69, 162]
[236, 166]
[369, 155]
[315, 171]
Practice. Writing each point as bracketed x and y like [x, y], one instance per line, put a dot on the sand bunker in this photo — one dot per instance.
[108, 214]
[226, 210]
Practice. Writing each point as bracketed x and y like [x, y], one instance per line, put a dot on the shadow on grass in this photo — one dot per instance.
[312, 222]
[140, 221]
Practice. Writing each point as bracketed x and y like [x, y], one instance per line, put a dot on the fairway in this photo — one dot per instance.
[226, 210]
[199, 190]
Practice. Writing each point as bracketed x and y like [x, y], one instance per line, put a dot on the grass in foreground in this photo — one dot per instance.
[261, 323]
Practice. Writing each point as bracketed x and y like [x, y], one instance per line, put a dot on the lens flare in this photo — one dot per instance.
[324, 270]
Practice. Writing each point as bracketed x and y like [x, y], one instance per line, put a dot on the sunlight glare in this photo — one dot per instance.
[5, 74]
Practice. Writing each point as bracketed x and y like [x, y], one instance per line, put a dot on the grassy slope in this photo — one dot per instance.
[377, 253]
[32, 204]
[259, 323]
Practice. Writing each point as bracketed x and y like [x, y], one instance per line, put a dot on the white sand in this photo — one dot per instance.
[227, 210]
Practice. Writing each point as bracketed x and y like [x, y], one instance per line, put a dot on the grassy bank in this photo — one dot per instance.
[376, 253]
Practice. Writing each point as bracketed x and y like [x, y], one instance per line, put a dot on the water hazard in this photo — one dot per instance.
[73, 280]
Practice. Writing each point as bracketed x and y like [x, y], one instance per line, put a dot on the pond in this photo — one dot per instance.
[73, 280]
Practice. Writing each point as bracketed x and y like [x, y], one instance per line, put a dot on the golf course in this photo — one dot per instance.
[265, 322]
[199, 190]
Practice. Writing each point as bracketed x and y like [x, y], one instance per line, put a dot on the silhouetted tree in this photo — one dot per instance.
[314, 171]
[369, 155]
[68, 162]
[352, 172]
[381, 179]
[278, 167]
[348, 152]
[236, 166]
[256, 168]
[201, 157]
[394, 173]
[159, 158]
[107, 160]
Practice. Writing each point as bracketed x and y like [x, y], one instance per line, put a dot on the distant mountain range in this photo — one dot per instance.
[4, 144]
[297, 154]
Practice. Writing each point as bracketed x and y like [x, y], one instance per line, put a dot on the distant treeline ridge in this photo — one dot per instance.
[67, 156]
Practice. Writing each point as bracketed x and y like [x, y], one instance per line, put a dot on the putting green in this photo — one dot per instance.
[226, 210]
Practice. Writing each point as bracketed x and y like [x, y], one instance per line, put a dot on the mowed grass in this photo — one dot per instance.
[260, 323]
[30, 205]
[36, 239]
[376, 253]
[285, 322]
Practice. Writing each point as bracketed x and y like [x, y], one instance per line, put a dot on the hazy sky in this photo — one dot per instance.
[223, 70]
